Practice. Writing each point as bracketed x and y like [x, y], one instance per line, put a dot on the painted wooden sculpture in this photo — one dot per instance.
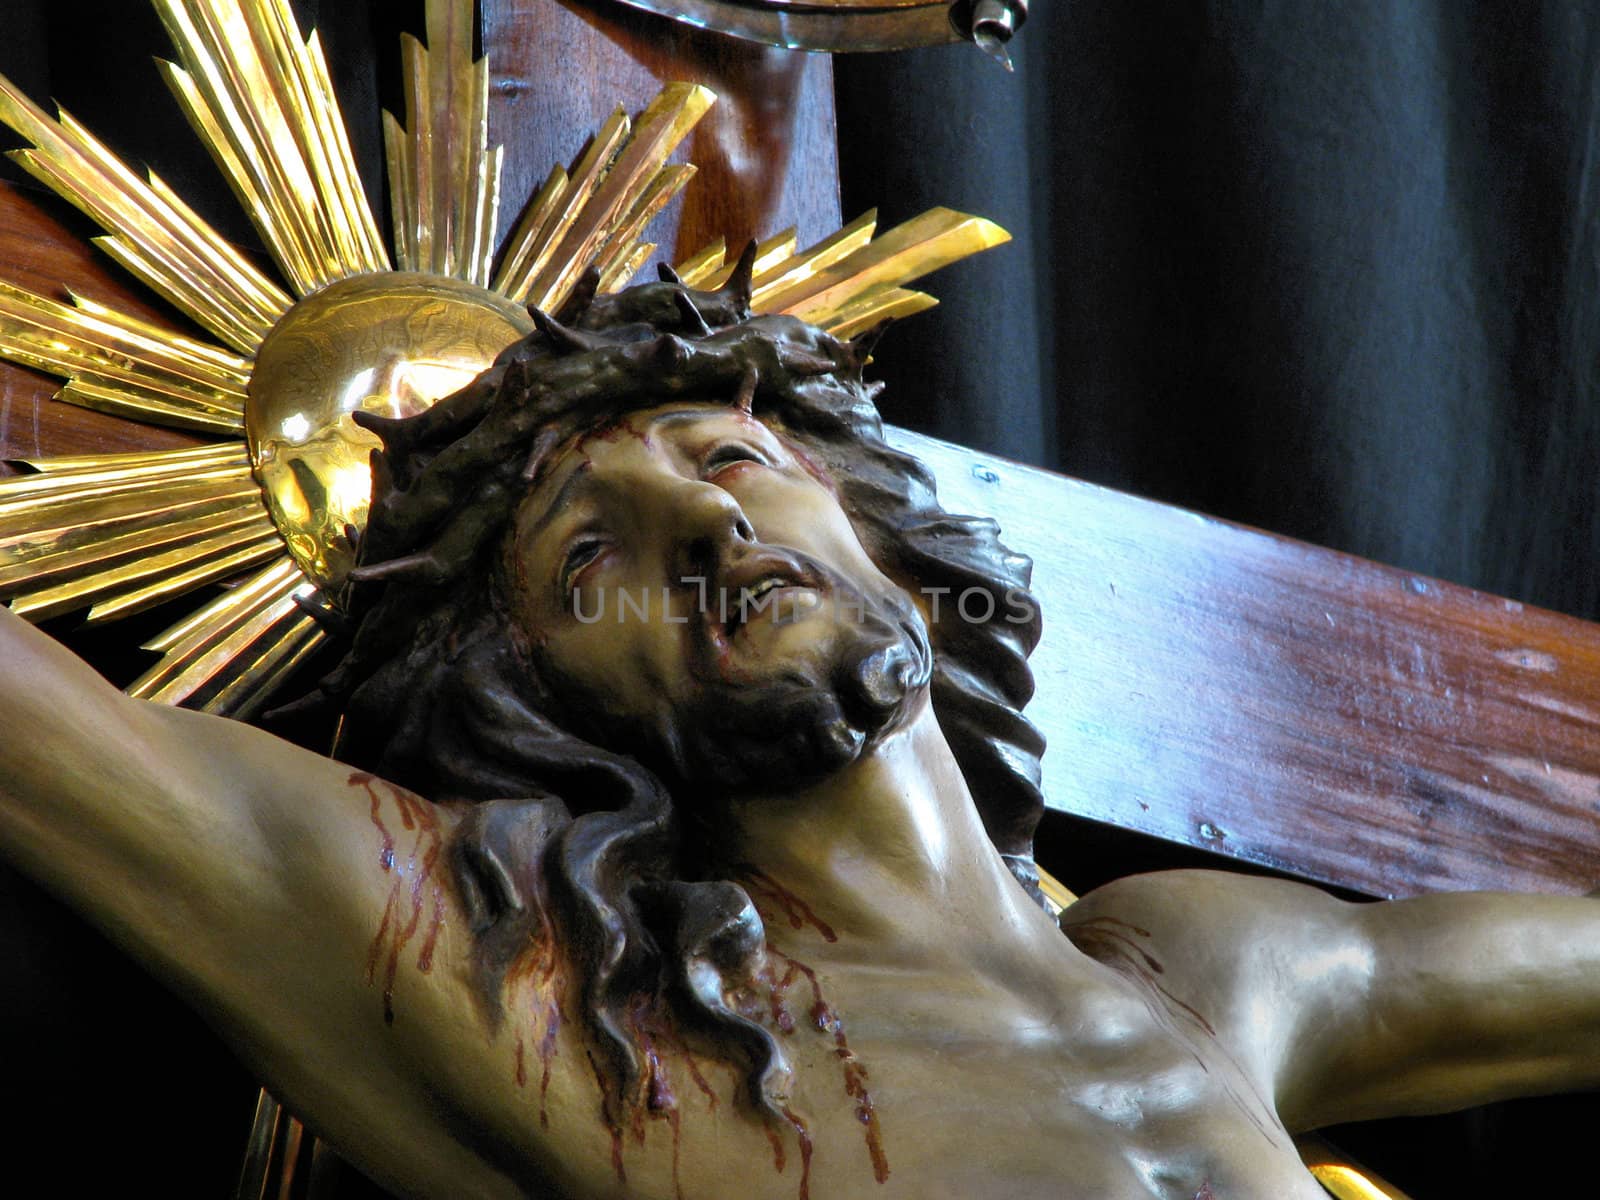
[681, 838]
[700, 879]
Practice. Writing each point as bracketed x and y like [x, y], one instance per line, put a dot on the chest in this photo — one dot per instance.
[1091, 1096]
[931, 1088]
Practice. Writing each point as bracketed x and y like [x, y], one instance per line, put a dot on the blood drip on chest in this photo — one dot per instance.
[534, 985]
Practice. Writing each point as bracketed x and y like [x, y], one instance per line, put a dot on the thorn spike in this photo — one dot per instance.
[542, 446]
[312, 704]
[581, 297]
[692, 316]
[860, 347]
[333, 622]
[417, 568]
[387, 428]
[745, 397]
[739, 285]
[565, 340]
[670, 350]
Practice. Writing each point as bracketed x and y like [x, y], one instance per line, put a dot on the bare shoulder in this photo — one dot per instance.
[1214, 928]
[1210, 901]
[1255, 961]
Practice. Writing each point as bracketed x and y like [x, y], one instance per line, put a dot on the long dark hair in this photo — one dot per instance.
[437, 696]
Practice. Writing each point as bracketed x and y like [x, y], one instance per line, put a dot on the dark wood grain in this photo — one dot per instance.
[1293, 707]
[846, 28]
[766, 152]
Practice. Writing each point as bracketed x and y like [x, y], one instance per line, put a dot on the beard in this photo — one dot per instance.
[804, 721]
[778, 726]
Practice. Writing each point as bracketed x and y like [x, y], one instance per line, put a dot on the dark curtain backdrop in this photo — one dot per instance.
[1328, 269]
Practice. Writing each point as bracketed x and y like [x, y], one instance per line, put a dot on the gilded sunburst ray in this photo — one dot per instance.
[120, 533]
[260, 99]
[444, 180]
[152, 234]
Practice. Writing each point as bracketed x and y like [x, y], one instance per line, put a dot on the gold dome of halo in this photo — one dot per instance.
[115, 534]
[390, 344]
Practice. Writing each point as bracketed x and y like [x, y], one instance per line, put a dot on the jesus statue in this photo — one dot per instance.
[678, 838]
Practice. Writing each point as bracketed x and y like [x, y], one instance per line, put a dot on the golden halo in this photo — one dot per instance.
[350, 326]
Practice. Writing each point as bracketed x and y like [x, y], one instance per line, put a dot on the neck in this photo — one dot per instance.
[890, 851]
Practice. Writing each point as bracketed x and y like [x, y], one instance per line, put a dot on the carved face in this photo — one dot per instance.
[692, 593]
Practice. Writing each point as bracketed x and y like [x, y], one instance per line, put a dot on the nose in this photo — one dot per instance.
[705, 523]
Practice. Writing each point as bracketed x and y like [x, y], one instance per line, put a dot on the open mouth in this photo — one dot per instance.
[764, 584]
[766, 598]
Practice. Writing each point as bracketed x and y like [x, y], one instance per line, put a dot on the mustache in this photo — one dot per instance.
[733, 580]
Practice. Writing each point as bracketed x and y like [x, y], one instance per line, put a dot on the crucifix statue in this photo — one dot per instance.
[711, 873]
[678, 835]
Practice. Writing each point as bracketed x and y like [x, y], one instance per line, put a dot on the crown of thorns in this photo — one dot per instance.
[600, 359]
[445, 480]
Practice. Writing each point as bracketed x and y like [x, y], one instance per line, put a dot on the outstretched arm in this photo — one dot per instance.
[1346, 1011]
[289, 901]
[1471, 997]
